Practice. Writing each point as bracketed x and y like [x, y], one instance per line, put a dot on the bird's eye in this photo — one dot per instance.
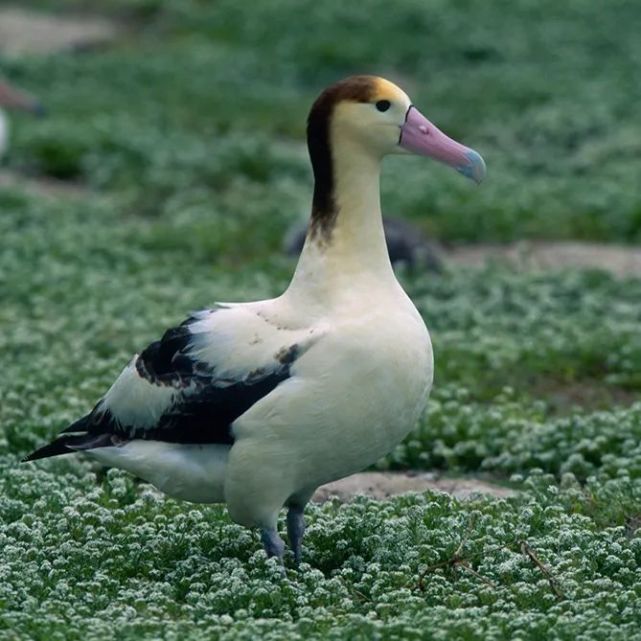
[383, 105]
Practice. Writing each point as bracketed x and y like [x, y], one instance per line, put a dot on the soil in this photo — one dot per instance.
[24, 32]
[382, 485]
[621, 260]
[588, 395]
[49, 187]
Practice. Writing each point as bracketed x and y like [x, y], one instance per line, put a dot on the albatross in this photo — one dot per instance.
[11, 98]
[257, 404]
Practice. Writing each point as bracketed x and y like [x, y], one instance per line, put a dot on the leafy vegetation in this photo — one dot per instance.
[183, 141]
[547, 93]
[118, 561]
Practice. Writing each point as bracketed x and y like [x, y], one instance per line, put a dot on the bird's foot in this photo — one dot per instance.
[295, 532]
[273, 544]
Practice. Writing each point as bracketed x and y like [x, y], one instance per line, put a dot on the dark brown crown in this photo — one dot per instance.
[352, 89]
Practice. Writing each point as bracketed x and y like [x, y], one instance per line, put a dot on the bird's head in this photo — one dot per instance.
[11, 98]
[378, 116]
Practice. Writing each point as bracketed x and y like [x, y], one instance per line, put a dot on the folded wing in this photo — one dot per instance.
[191, 385]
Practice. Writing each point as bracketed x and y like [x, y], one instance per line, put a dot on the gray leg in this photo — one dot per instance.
[274, 545]
[295, 531]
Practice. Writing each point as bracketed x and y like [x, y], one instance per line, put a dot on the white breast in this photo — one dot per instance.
[352, 397]
[4, 133]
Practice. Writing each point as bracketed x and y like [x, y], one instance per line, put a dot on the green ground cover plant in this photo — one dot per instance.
[183, 142]
[546, 92]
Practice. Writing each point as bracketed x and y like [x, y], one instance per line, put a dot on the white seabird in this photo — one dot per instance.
[258, 404]
[11, 98]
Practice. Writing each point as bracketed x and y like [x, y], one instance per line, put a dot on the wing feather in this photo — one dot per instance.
[188, 387]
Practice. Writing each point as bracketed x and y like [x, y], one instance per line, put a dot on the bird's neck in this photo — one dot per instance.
[345, 248]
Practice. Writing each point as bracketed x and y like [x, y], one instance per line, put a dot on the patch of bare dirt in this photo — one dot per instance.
[30, 32]
[382, 485]
[49, 187]
[587, 395]
[618, 259]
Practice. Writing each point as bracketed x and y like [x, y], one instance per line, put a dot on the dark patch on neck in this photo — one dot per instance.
[324, 210]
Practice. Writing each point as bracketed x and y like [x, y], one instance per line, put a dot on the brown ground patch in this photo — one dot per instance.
[25, 32]
[382, 485]
[526, 255]
[49, 187]
[587, 395]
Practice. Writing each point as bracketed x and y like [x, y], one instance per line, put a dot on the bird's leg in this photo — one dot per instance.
[295, 531]
[273, 544]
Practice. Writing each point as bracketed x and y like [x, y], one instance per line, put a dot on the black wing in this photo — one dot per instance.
[179, 398]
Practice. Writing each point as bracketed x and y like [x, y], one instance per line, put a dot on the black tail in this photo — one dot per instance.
[70, 443]
[59, 446]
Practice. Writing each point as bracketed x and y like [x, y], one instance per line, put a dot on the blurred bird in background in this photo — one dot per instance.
[11, 98]
[406, 245]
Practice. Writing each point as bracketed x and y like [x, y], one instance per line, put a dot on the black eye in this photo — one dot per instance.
[383, 105]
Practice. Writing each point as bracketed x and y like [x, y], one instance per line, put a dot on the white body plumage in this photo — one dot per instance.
[357, 389]
[257, 404]
[4, 133]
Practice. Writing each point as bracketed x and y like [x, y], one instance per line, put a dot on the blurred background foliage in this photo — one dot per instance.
[185, 139]
[214, 96]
